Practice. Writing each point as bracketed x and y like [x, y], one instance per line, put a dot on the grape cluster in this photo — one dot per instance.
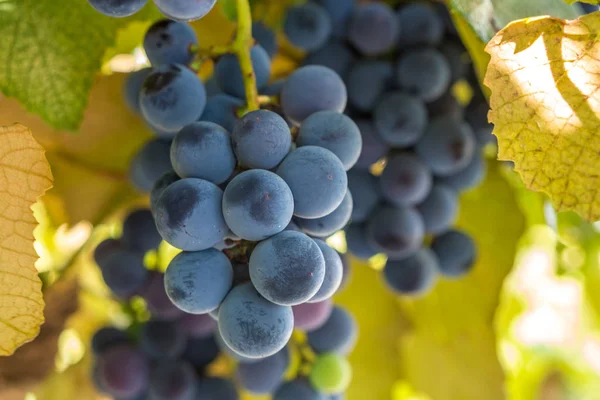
[420, 147]
[180, 10]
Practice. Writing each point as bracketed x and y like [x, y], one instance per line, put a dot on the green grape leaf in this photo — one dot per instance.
[452, 335]
[51, 50]
[487, 17]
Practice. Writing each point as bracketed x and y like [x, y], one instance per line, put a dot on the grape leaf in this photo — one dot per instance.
[50, 51]
[24, 177]
[452, 335]
[545, 105]
[488, 16]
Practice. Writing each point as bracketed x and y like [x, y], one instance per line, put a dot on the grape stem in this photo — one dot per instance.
[241, 47]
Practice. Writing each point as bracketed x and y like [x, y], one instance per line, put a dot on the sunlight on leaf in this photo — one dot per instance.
[544, 76]
[24, 177]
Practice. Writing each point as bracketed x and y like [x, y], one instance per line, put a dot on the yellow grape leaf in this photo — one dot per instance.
[452, 336]
[90, 166]
[24, 177]
[544, 76]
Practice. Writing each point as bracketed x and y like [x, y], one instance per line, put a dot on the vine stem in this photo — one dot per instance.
[241, 47]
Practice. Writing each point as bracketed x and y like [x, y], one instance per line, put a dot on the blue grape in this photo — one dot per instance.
[340, 12]
[222, 110]
[159, 187]
[229, 73]
[406, 180]
[329, 224]
[367, 81]
[265, 37]
[133, 86]
[105, 250]
[414, 275]
[307, 26]
[398, 232]
[476, 115]
[173, 380]
[201, 352]
[337, 335]
[170, 42]
[447, 146]
[214, 388]
[333, 131]
[124, 272]
[373, 146]
[150, 163]
[457, 58]
[118, 8]
[197, 326]
[197, 282]
[333, 272]
[373, 29]
[310, 89]
[257, 204]
[588, 8]
[261, 139]
[317, 179]
[358, 244]
[162, 340]
[297, 390]
[157, 301]
[287, 269]
[107, 338]
[188, 215]
[172, 97]
[139, 231]
[366, 194]
[264, 376]
[123, 372]
[335, 55]
[311, 316]
[420, 25]
[424, 73]
[185, 10]
[203, 150]
[469, 177]
[252, 326]
[456, 253]
[400, 119]
[439, 210]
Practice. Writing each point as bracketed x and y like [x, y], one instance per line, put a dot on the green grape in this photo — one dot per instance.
[331, 373]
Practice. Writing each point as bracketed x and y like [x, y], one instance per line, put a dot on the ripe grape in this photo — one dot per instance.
[150, 163]
[173, 380]
[373, 146]
[317, 179]
[139, 231]
[373, 29]
[203, 150]
[170, 42]
[335, 55]
[185, 10]
[400, 119]
[310, 89]
[257, 204]
[264, 376]
[124, 272]
[222, 110]
[172, 97]
[329, 224]
[366, 194]
[333, 131]
[188, 214]
[406, 180]
[105, 249]
[123, 371]
[287, 269]
[469, 177]
[253, 326]
[414, 275]
[261, 139]
[107, 338]
[439, 210]
[133, 86]
[157, 301]
[333, 273]
[200, 352]
[197, 282]
[340, 12]
[367, 81]
[229, 73]
[398, 232]
[307, 26]
[456, 252]
[162, 340]
[337, 335]
[297, 390]
[424, 73]
[118, 8]
[358, 243]
[311, 316]
[420, 25]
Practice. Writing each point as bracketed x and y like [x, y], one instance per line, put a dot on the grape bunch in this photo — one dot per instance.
[179, 10]
[421, 147]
